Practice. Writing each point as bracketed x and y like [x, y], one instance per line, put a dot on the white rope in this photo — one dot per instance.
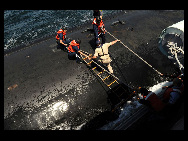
[174, 51]
[136, 54]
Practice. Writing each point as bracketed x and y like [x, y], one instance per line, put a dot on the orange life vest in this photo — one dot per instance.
[166, 95]
[73, 43]
[94, 21]
[100, 25]
[101, 28]
[59, 32]
[155, 102]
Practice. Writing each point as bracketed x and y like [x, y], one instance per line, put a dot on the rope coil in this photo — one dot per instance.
[174, 49]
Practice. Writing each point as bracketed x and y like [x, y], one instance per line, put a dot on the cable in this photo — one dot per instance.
[135, 54]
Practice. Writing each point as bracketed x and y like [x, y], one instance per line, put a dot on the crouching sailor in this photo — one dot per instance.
[73, 50]
[151, 100]
[173, 92]
[61, 39]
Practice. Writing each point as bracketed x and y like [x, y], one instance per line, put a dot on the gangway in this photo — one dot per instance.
[118, 92]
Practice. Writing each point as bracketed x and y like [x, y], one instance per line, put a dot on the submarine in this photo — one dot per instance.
[43, 90]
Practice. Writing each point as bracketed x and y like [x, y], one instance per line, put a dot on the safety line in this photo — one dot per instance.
[135, 53]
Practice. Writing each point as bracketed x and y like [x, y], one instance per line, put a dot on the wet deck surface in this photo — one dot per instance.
[54, 92]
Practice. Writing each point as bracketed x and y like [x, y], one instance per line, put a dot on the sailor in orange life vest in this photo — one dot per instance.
[151, 100]
[61, 39]
[99, 29]
[73, 50]
[173, 92]
[102, 52]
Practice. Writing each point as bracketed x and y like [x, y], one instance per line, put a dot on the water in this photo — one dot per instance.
[22, 26]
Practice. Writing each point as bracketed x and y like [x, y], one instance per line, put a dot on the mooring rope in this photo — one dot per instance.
[135, 54]
[174, 51]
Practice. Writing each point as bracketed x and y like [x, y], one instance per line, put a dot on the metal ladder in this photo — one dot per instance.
[107, 78]
[118, 92]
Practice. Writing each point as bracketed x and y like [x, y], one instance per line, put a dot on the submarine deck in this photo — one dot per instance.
[54, 92]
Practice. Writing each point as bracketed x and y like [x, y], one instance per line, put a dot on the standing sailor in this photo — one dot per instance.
[102, 52]
[98, 27]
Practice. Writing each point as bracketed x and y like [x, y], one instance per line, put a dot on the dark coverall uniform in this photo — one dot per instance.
[65, 41]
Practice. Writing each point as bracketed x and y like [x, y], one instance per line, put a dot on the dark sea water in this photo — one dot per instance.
[22, 26]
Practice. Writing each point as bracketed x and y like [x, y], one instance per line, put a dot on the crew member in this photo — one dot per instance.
[73, 50]
[173, 92]
[102, 52]
[61, 39]
[151, 100]
[99, 29]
